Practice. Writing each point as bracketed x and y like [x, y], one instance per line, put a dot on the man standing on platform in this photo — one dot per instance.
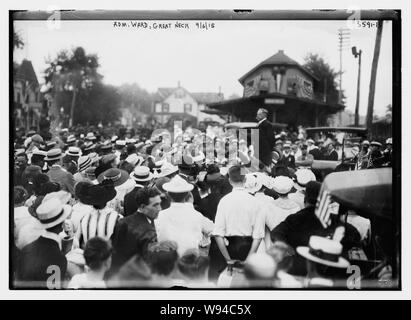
[266, 136]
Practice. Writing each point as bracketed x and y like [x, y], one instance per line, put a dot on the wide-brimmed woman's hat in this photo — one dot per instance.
[52, 213]
[282, 184]
[99, 194]
[178, 185]
[53, 154]
[117, 176]
[142, 174]
[324, 251]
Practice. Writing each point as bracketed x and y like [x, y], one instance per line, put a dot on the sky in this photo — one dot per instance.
[203, 60]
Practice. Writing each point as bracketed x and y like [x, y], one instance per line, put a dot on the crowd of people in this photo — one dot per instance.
[93, 210]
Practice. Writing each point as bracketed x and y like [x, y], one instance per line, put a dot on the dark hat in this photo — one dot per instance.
[98, 194]
[53, 154]
[312, 190]
[108, 158]
[117, 176]
[80, 189]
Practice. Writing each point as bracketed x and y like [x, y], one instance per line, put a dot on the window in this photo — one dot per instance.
[188, 107]
[166, 107]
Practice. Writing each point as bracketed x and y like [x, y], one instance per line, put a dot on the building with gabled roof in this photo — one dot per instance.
[283, 87]
[179, 103]
[26, 97]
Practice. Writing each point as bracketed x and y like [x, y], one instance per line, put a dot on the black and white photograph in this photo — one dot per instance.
[205, 150]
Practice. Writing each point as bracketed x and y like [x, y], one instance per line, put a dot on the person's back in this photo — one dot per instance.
[185, 226]
[238, 205]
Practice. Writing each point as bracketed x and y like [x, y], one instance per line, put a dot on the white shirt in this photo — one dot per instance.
[184, 225]
[238, 215]
[27, 228]
[81, 281]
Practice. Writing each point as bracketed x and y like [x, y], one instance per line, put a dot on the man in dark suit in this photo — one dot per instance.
[331, 154]
[56, 173]
[266, 136]
[297, 228]
[134, 233]
[42, 263]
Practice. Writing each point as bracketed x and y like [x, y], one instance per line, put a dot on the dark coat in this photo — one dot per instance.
[131, 236]
[266, 141]
[297, 229]
[333, 156]
[130, 205]
[287, 161]
[36, 258]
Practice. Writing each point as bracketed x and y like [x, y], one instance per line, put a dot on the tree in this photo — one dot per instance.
[77, 88]
[17, 41]
[132, 95]
[327, 84]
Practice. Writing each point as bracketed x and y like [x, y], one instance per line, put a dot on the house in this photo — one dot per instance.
[283, 87]
[180, 104]
[27, 99]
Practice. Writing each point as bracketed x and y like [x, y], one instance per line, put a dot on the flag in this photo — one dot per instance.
[323, 209]
[249, 91]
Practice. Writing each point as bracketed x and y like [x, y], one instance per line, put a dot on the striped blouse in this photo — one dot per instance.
[97, 223]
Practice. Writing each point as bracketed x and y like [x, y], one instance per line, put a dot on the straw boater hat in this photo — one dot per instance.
[71, 138]
[121, 143]
[376, 143]
[178, 185]
[83, 163]
[304, 176]
[74, 151]
[40, 153]
[117, 176]
[142, 174]
[310, 141]
[61, 195]
[167, 169]
[134, 160]
[52, 213]
[388, 141]
[90, 136]
[53, 154]
[324, 251]
[282, 184]
[366, 142]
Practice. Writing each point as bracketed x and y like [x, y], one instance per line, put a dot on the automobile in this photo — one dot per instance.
[368, 194]
[347, 137]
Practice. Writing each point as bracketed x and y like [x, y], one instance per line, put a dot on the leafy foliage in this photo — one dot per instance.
[72, 78]
[322, 70]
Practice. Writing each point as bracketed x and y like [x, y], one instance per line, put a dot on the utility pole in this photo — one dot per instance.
[357, 103]
[343, 37]
[373, 78]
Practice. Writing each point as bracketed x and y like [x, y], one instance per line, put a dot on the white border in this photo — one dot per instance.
[197, 295]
